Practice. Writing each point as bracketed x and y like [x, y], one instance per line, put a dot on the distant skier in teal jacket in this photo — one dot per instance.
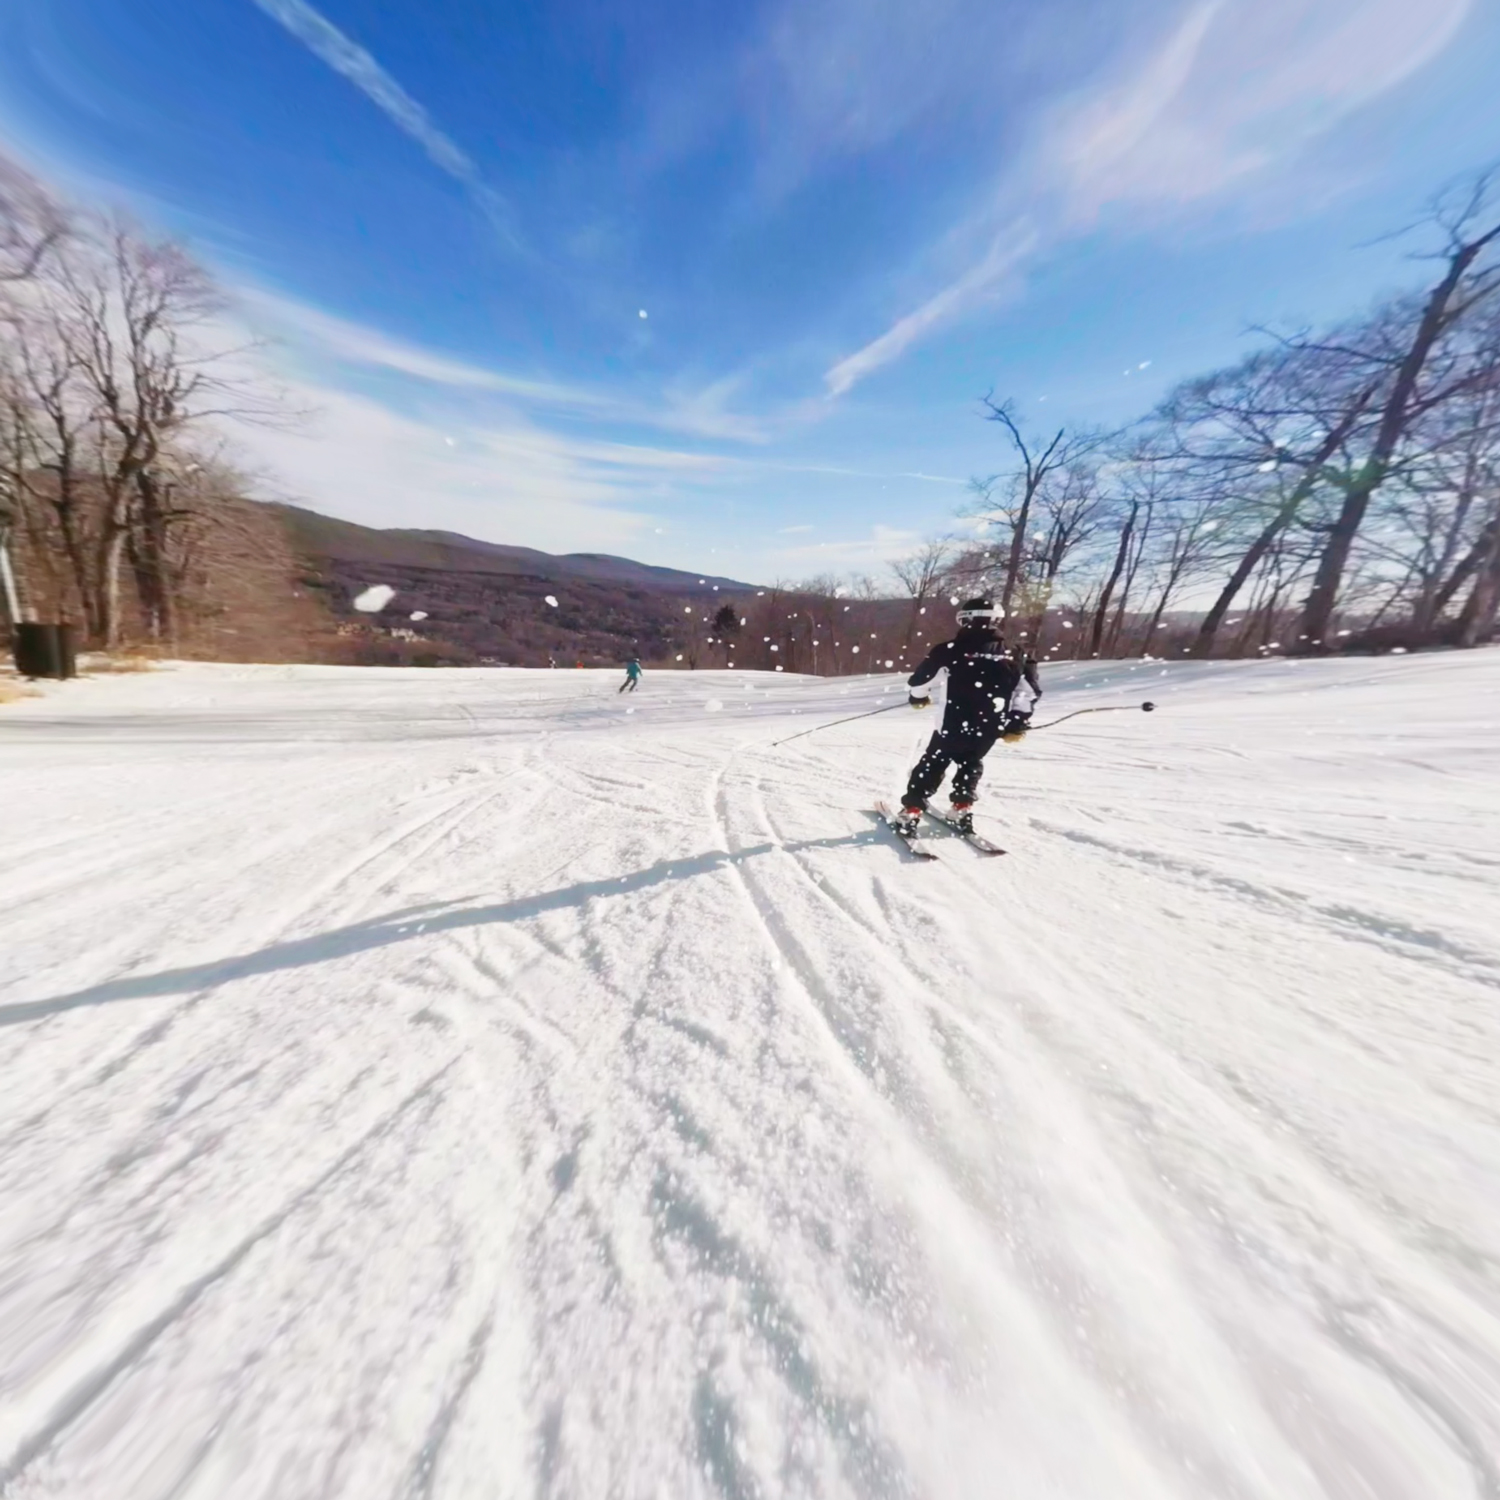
[632, 675]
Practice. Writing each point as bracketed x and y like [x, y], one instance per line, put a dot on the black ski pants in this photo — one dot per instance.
[964, 748]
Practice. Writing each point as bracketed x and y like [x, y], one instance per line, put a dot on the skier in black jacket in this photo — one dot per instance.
[979, 709]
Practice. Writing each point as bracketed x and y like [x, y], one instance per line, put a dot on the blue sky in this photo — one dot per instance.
[843, 221]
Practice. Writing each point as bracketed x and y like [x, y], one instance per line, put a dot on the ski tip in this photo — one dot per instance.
[976, 841]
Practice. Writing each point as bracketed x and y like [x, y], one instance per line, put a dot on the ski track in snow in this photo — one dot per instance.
[450, 1085]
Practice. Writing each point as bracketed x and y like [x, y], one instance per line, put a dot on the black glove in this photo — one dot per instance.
[917, 702]
[1016, 725]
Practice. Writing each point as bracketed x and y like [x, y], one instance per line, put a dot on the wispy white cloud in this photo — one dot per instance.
[883, 545]
[835, 78]
[1006, 252]
[301, 325]
[707, 411]
[502, 478]
[424, 452]
[420, 452]
[1096, 136]
[1234, 88]
[1237, 87]
[327, 339]
[347, 58]
[841, 472]
[816, 82]
[639, 456]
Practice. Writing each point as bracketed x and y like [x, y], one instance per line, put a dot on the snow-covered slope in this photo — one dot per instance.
[468, 1085]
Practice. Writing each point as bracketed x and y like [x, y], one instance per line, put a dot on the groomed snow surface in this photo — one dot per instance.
[446, 1085]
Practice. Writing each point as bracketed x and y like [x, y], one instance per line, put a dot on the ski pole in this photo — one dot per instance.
[1114, 708]
[849, 720]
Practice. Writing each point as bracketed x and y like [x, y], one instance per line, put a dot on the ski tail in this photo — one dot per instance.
[907, 837]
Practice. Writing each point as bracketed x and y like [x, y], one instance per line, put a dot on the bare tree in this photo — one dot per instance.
[1143, 534]
[51, 431]
[726, 630]
[1265, 434]
[1128, 508]
[1477, 619]
[1414, 381]
[32, 224]
[1186, 544]
[132, 309]
[1069, 507]
[921, 574]
[1433, 517]
[1039, 460]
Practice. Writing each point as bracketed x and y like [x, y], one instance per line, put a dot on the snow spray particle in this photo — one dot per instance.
[551, 599]
[374, 599]
[419, 614]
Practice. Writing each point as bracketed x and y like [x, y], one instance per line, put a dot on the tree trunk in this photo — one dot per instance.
[109, 587]
[148, 551]
[1161, 609]
[1132, 567]
[1424, 610]
[1276, 525]
[918, 603]
[1017, 546]
[78, 565]
[1476, 622]
[1471, 560]
[1096, 635]
[1317, 613]
[1247, 565]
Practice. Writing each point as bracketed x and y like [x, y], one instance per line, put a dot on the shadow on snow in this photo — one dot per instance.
[399, 926]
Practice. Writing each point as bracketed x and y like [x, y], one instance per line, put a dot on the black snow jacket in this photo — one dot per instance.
[981, 678]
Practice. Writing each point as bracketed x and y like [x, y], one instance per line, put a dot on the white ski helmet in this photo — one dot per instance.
[980, 612]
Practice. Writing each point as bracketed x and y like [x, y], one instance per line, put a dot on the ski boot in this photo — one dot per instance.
[961, 816]
[907, 821]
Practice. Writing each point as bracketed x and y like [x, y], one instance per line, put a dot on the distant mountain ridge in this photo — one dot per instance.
[456, 599]
[318, 535]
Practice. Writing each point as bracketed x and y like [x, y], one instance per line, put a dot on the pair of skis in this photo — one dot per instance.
[914, 842]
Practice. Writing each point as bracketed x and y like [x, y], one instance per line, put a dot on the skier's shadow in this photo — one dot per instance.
[409, 922]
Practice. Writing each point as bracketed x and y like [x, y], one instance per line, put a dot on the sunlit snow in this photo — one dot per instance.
[428, 1084]
[372, 600]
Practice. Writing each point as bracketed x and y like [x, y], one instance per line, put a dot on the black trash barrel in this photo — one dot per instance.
[44, 650]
